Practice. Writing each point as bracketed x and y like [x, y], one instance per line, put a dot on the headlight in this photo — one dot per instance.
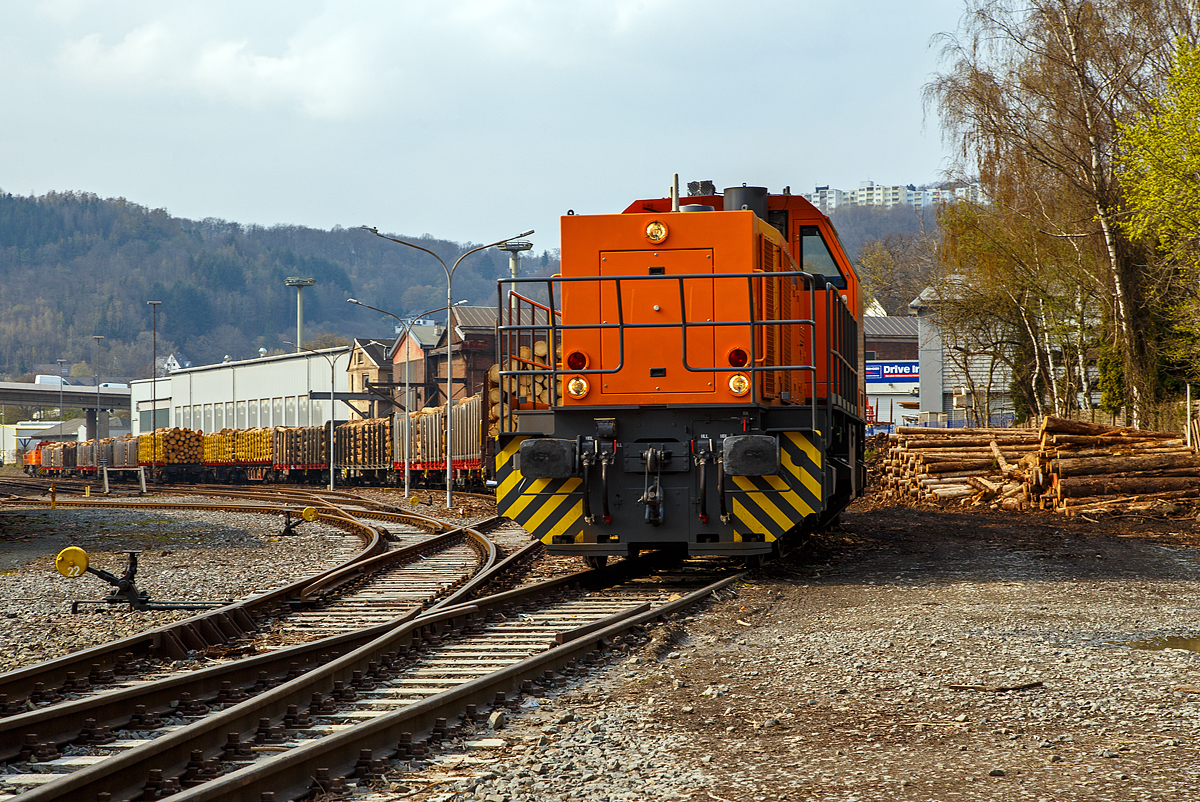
[739, 384]
[577, 387]
[656, 231]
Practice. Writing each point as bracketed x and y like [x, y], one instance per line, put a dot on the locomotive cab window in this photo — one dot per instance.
[815, 257]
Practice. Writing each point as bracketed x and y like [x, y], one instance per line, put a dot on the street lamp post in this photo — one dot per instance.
[60, 362]
[154, 370]
[332, 385]
[96, 370]
[449, 341]
[407, 400]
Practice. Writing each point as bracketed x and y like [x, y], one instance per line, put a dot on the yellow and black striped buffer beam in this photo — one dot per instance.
[771, 505]
[543, 507]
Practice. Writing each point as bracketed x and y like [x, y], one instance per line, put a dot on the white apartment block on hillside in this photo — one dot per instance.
[869, 193]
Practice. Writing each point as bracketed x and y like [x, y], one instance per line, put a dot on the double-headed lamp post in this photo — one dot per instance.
[407, 400]
[154, 305]
[449, 340]
[332, 386]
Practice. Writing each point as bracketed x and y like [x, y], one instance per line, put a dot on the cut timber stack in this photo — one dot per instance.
[1091, 468]
[493, 394]
[253, 446]
[1068, 466]
[299, 447]
[944, 464]
[540, 390]
[125, 452]
[220, 447]
[364, 443]
[171, 447]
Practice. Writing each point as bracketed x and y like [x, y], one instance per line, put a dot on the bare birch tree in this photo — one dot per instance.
[1046, 84]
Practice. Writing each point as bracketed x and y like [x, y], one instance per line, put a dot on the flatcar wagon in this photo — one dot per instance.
[705, 381]
[370, 451]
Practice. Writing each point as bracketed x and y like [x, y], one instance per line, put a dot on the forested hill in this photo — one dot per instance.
[859, 225]
[74, 265]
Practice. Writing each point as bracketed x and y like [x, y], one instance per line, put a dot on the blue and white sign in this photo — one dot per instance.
[905, 371]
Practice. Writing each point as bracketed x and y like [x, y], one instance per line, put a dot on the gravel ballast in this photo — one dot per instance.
[914, 654]
[876, 667]
[185, 556]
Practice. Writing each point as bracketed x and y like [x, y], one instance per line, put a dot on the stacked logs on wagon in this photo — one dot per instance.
[539, 390]
[253, 446]
[171, 447]
[1072, 467]
[220, 448]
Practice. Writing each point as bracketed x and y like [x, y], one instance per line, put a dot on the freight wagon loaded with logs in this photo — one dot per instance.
[371, 451]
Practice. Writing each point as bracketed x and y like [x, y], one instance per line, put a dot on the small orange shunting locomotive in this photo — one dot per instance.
[692, 380]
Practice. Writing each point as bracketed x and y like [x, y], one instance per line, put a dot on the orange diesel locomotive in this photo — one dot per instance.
[691, 380]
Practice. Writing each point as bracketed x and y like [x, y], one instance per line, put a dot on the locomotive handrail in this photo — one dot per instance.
[846, 371]
[511, 333]
[752, 367]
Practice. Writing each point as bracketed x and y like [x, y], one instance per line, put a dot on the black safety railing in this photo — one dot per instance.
[841, 370]
[525, 322]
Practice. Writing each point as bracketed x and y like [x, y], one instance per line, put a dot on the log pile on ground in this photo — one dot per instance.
[1090, 468]
[939, 465]
[1067, 466]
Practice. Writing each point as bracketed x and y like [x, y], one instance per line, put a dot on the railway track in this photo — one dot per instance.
[322, 604]
[393, 692]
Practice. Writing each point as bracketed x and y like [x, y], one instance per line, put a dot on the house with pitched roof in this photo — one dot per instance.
[370, 371]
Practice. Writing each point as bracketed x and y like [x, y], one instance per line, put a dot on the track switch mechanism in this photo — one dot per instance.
[73, 562]
[307, 515]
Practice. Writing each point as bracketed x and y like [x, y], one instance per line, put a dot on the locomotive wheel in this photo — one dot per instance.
[596, 562]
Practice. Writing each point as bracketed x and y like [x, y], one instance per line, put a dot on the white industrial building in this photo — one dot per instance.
[251, 393]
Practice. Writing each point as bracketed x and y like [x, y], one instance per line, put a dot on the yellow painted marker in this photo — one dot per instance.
[53, 496]
[71, 561]
[309, 514]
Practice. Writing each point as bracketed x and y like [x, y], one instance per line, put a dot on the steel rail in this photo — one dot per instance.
[62, 723]
[125, 775]
[197, 632]
[291, 774]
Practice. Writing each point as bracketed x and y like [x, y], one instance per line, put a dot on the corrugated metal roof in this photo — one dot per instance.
[475, 317]
[891, 326]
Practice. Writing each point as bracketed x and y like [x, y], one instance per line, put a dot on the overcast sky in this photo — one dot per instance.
[470, 120]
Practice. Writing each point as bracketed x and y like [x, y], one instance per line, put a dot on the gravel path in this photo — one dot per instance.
[913, 655]
[876, 668]
[186, 556]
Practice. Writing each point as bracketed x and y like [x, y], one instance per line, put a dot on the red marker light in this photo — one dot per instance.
[738, 358]
[576, 360]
